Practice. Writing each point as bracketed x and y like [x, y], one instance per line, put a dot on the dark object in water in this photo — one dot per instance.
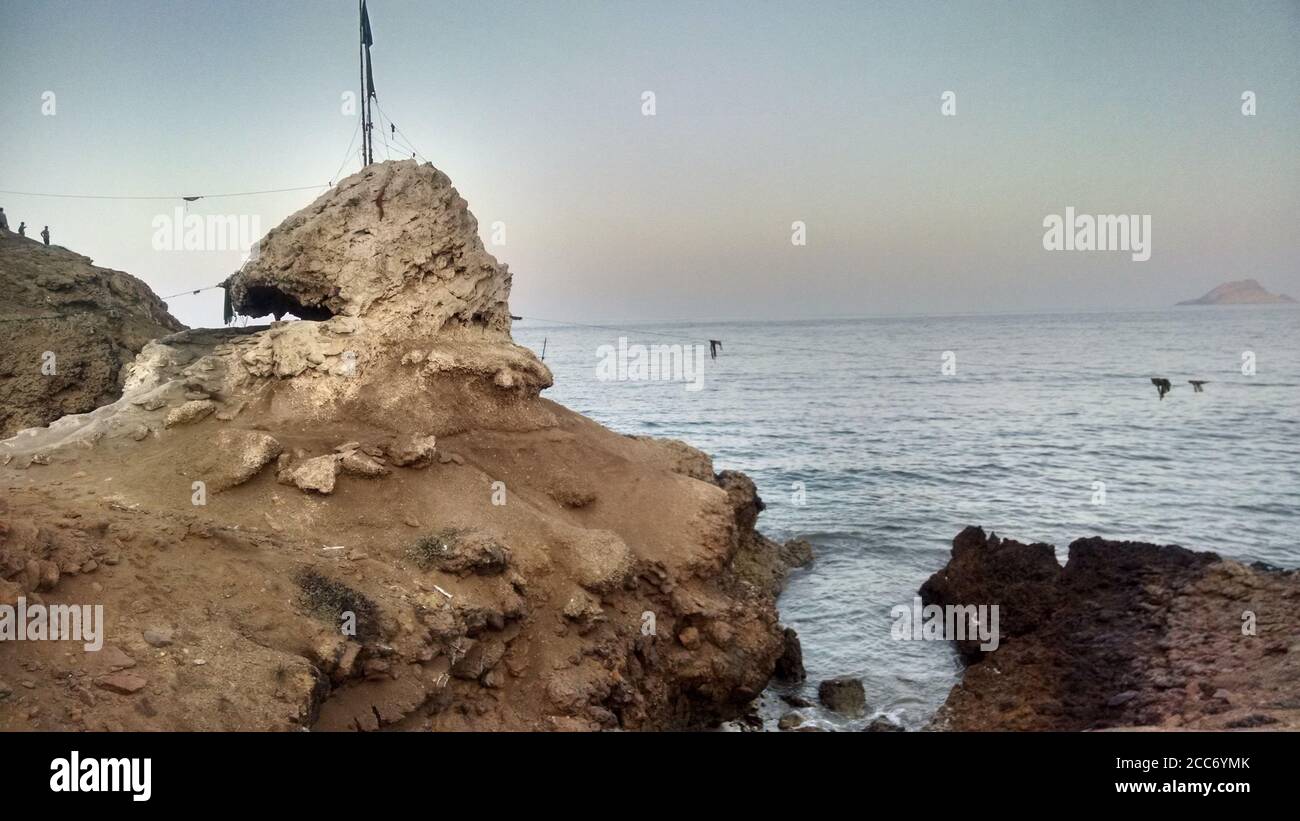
[1162, 385]
[1196, 385]
[715, 345]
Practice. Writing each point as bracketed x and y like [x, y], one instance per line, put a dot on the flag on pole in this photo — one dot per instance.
[367, 39]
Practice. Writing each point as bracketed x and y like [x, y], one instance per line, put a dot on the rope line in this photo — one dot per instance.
[162, 197]
[191, 292]
[347, 154]
[398, 132]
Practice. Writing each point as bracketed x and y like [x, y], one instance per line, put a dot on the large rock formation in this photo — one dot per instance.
[371, 519]
[395, 243]
[1126, 634]
[68, 329]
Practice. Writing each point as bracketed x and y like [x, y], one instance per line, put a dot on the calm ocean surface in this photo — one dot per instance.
[895, 457]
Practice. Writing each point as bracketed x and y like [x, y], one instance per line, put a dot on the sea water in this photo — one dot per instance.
[880, 439]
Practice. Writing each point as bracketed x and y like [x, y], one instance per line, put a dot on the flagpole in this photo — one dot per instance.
[361, 65]
[367, 88]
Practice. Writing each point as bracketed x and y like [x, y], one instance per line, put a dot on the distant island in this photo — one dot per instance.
[1241, 292]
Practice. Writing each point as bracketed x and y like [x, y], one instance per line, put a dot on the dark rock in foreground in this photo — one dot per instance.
[789, 667]
[884, 725]
[1127, 634]
[844, 695]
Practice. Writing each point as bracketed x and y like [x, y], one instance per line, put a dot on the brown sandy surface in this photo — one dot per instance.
[509, 564]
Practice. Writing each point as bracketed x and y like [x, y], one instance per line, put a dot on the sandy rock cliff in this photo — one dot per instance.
[396, 244]
[370, 519]
[1126, 634]
[93, 320]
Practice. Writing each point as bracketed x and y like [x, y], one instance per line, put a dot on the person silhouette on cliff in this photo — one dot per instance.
[45, 234]
[22, 229]
[4, 221]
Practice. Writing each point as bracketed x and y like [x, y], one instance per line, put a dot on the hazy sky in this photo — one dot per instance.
[766, 113]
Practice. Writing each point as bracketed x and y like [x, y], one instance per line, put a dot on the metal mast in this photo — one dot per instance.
[367, 86]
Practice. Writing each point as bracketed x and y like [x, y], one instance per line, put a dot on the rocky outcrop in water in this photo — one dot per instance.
[1126, 634]
[369, 518]
[67, 329]
[1241, 292]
